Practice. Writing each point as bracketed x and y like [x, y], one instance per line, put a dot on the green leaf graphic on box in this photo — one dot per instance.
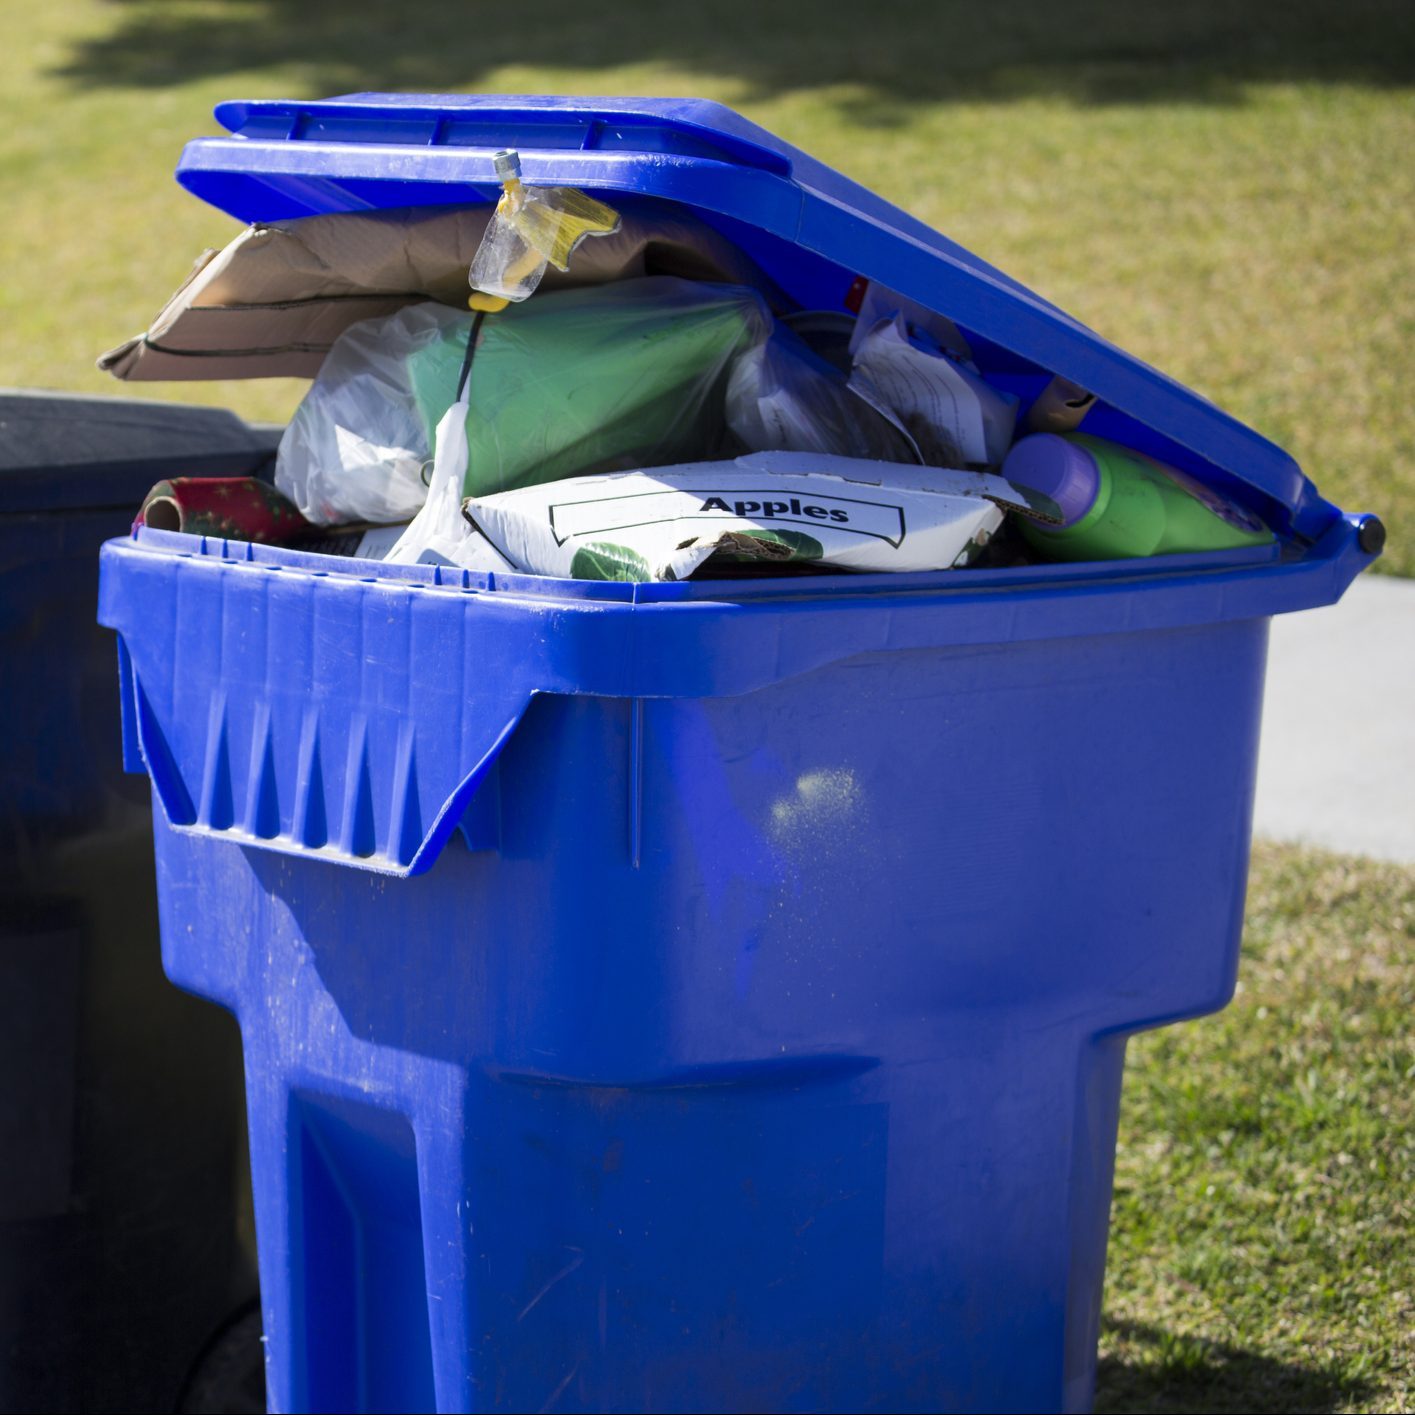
[598, 560]
[971, 551]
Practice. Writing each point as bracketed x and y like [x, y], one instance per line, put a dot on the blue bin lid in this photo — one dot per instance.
[812, 229]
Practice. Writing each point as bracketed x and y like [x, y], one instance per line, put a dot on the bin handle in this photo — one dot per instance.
[254, 735]
[379, 827]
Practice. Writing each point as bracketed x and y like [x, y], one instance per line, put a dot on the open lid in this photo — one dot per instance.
[809, 228]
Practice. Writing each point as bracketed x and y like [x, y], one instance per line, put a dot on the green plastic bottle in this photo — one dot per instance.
[1118, 503]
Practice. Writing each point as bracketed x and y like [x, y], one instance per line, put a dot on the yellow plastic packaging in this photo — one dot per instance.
[532, 227]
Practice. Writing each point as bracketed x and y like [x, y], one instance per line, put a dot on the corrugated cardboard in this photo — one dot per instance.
[273, 301]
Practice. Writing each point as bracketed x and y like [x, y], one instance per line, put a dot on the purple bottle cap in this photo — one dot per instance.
[1060, 469]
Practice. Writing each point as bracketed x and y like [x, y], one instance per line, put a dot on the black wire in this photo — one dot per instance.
[466, 372]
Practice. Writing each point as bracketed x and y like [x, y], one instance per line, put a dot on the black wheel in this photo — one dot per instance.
[229, 1376]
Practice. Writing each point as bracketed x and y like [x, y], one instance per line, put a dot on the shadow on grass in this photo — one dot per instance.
[882, 59]
[1154, 1370]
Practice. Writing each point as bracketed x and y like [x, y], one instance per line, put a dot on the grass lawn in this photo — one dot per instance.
[1225, 189]
[1261, 1253]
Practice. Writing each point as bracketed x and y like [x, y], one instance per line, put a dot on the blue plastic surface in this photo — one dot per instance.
[763, 1050]
[353, 711]
[758, 1044]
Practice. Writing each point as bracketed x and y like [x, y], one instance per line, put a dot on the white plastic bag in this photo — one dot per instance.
[439, 526]
[783, 397]
[356, 448]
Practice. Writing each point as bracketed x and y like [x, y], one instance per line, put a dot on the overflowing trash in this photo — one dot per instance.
[607, 395]
[763, 942]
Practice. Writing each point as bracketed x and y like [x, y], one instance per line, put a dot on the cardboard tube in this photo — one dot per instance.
[1060, 407]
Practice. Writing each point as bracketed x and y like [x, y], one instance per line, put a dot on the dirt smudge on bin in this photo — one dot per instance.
[821, 809]
[815, 830]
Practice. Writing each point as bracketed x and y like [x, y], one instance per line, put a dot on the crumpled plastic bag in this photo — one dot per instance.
[439, 526]
[784, 397]
[606, 378]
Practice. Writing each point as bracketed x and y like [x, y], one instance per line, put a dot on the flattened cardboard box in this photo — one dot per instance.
[772, 507]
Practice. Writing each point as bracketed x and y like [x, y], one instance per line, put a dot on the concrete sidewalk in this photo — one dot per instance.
[1337, 766]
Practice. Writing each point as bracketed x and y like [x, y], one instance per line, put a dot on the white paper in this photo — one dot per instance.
[881, 303]
[376, 544]
[954, 418]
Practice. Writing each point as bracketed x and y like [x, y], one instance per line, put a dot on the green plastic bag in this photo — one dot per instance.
[605, 378]
[601, 379]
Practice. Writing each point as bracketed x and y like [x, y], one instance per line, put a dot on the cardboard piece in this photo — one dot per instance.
[273, 301]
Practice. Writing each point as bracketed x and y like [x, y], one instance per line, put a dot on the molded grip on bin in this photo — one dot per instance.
[283, 710]
[354, 713]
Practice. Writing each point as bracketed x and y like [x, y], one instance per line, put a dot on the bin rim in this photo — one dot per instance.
[249, 674]
[1258, 581]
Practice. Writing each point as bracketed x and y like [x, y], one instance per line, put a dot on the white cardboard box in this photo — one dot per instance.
[664, 523]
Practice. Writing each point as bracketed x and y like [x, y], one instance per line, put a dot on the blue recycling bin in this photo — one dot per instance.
[699, 996]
